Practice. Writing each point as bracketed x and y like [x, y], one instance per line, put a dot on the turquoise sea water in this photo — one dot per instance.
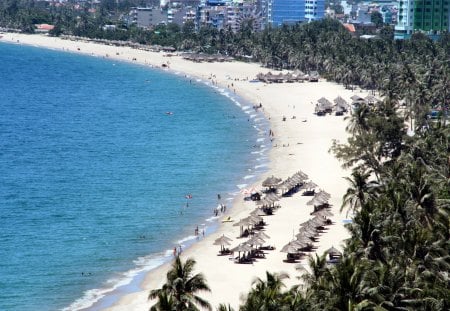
[94, 173]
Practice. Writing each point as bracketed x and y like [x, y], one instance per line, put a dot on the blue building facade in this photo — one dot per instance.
[281, 12]
[314, 10]
[285, 12]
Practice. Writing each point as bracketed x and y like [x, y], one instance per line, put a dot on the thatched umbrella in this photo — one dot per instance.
[241, 248]
[255, 212]
[316, 201]
[271, 182]
[310, 185]
[317, 220]
[262, 235]
[290, 249]
[299, 243]
[255, 240]
[325, 104]
[223, 240]
[264, 202]
[272, 197]
[341, 103]
[245, 222]
[255, 219]
[323, 213]
[303, 238]
[323, 194]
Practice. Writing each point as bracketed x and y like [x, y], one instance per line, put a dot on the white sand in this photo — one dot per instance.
[308, 150]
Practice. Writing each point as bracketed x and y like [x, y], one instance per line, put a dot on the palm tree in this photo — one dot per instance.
[359, 120]
[179, 293]
[266, 295]
[224, 307]
[359, 192]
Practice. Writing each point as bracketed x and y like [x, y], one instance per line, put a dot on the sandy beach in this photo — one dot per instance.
[301, 142]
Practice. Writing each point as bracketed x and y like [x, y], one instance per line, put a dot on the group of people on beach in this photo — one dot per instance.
[177, 252]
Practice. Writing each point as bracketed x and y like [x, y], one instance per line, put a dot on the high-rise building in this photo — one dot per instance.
[314, 10]
[431, 16]
[281, 12]
[286, 12]
[428, 16]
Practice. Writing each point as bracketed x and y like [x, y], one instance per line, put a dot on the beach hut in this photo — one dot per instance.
[334, 254]
[299, 75]
[371, 100]
[357, 101]
[325, 104]
[313, 76]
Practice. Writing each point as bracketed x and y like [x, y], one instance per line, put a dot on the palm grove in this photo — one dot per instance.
[397, 257]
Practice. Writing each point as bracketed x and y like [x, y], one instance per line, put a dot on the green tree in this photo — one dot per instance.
[376, 18]
[179, 293]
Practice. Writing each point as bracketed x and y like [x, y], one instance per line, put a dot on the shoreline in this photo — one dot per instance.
[301, 143]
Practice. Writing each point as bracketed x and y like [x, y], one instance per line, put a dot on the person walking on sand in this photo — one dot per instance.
[174, 252]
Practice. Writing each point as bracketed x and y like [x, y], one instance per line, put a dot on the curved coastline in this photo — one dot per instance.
[301, 143]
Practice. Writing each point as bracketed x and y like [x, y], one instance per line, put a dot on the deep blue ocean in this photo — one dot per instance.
[94, 172]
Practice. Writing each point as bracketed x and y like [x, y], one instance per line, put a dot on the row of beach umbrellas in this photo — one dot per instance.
[200, 57]
[340, 105]
[257, 239]
[291, 182]
[295, 76]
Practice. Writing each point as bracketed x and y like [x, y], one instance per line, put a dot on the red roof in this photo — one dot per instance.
[350, 27]
[45, 27]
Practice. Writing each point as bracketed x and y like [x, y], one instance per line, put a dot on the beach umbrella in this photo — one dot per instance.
[301, 174]
[262, 235]
[290, 249]
[317, 220]
[243, 222]
[271, 182]
[255, 219]
[306, 223]
[316, 201]
[272, 197]
[255, 241]
[305, 236]
[242, 248]
[323, 213]
[223, 240]
[264, 202]
[255, 212]
[299, 244]
[307, 229]
[310, 185]
[323, 194]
